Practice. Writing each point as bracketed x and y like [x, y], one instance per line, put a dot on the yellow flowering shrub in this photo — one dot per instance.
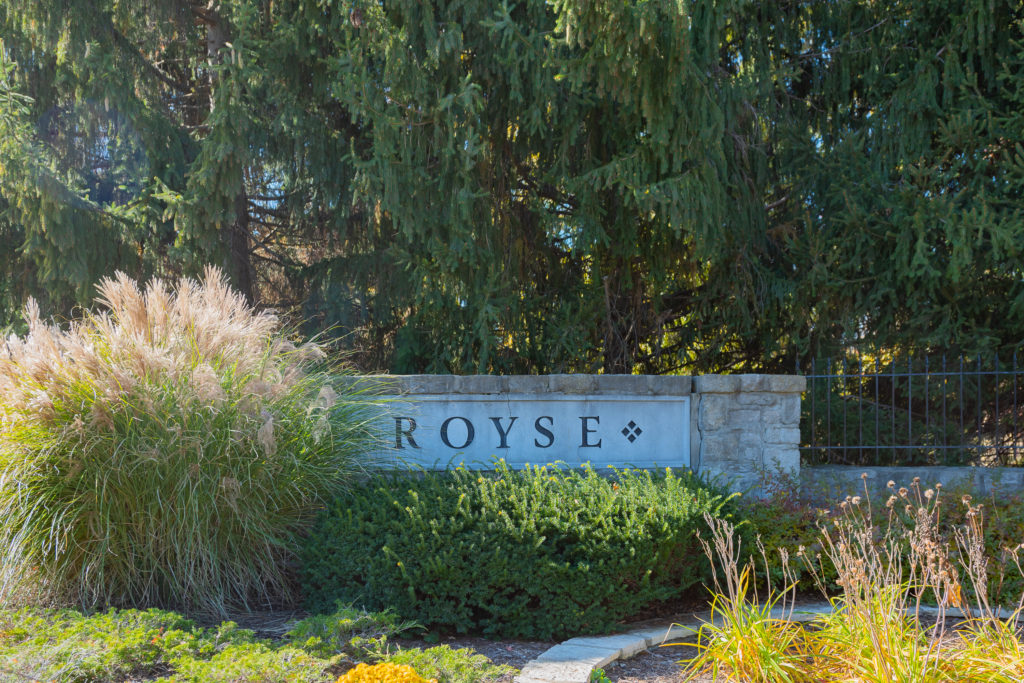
[385, 672]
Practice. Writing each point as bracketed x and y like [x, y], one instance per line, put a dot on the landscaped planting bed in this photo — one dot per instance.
[170, 452]
[156, 645]
[175, 452]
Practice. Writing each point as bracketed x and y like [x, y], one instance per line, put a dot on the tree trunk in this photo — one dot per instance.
[235, 234]
[624, 313]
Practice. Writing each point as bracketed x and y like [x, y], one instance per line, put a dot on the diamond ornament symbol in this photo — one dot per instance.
[632, 431]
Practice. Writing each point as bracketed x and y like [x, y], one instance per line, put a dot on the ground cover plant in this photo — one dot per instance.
[67, 646]
[538, 553]
[166, 451]
[889, 564]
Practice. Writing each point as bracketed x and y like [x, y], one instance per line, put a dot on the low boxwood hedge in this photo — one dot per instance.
[535, 553]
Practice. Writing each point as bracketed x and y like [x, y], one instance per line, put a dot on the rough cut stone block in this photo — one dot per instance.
[528, 384]
[1008, 477]
[791, 409]
[671, 385]
[782, 435]
[593, 656]
[716, 384]
[481, 384]
[556, 672]
[780, 384]
[625, 645]
[630, 385]
[837, 481]
[786, 412]
[720, 446]
[714, 412]
[755, 383]
[657, 636]
[787, 384]
[428, 384]
[573, 384]
[727, 384]
[782, 460]
[757, 399]
[751, 434]
[748, 454]
[745, 419]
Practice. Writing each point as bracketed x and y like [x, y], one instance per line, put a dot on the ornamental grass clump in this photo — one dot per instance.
[166, 451]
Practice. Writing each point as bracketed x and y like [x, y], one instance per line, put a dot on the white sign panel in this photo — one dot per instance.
[624, 431]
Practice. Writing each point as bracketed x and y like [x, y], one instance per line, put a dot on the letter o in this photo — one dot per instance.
[470, 432]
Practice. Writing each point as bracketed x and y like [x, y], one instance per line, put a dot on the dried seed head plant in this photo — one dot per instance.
[888, 565]
[885, 569]
[167, 450]
[746, 638]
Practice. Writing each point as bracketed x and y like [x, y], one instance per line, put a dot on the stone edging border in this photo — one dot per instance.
[576, 659]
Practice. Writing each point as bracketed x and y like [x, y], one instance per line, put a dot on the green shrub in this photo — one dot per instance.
[115, 645]
[535, 553]
[784, 519]
[166, 452]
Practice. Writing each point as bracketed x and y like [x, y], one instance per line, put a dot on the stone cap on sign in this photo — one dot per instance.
[732, 384]
[628, 385]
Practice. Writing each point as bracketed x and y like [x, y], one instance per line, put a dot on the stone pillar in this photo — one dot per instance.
[745, 426]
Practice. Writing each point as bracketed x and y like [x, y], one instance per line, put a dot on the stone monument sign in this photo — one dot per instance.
[620, 430]
[733, 428]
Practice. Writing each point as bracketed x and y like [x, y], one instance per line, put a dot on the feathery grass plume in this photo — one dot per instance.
[167, 450]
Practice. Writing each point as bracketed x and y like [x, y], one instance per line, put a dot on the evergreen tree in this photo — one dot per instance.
[136, 140]
[914, 234]
[466, 186]
[557, 183]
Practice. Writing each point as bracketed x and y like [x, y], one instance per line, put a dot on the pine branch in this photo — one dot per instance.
[138, 56]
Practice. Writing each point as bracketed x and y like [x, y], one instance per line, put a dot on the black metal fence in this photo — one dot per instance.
[874, 409]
